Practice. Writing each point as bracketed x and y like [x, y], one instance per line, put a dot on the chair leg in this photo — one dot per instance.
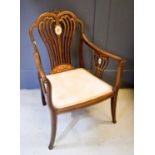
[53, 129]
[43, 98]
[113, 108]
[42, 94]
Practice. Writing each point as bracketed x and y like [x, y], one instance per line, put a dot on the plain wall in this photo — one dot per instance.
[108, 23]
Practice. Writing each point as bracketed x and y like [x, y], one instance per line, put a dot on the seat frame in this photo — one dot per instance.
[99, 57]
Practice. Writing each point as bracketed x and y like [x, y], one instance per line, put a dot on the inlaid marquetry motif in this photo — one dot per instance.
[61, 68]
[58, 29]
[100, 64]
[99, 61]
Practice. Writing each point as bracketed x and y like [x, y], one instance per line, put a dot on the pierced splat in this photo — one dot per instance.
[57, 30]
[100, 64]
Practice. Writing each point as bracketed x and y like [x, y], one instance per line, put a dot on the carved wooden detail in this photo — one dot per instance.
[57, 30]
[100, 64]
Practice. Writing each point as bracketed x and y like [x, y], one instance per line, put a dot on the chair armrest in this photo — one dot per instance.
[42, 75]
[38, 62]
[45, 83]
[105, 53]
[100, 51]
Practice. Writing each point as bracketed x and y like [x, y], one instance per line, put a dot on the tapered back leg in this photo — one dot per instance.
[53, 129]
[42, 94]
[113, 108]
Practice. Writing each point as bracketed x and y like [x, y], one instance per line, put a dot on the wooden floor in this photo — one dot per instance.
[83, 132]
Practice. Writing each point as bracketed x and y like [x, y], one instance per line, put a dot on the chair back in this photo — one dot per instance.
[57, 30]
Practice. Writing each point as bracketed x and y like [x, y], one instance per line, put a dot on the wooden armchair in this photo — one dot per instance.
[67, 88]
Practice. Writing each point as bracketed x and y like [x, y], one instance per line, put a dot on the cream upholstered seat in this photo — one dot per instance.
[76, 86]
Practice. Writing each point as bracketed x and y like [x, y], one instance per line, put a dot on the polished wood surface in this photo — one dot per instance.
[61, 68]
[57, 31]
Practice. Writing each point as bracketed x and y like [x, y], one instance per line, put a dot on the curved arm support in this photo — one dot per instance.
[48, 88]
[45, 83]
[36, 54]
[119, 75]
[105, 53]
[39, 65]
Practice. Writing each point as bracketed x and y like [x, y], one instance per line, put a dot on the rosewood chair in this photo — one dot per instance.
[67, 88]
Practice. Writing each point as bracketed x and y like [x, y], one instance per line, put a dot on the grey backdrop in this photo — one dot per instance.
[108, 23]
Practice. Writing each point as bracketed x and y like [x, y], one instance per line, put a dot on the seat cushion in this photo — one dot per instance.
[76, 86]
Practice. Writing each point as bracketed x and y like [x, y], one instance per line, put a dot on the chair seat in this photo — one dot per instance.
[76, 86]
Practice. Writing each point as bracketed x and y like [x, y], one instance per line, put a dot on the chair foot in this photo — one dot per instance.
[50, 147]
[113, 108]
[114, 121]
[53, 129]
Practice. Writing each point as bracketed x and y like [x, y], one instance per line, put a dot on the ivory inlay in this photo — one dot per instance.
[58, 29]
